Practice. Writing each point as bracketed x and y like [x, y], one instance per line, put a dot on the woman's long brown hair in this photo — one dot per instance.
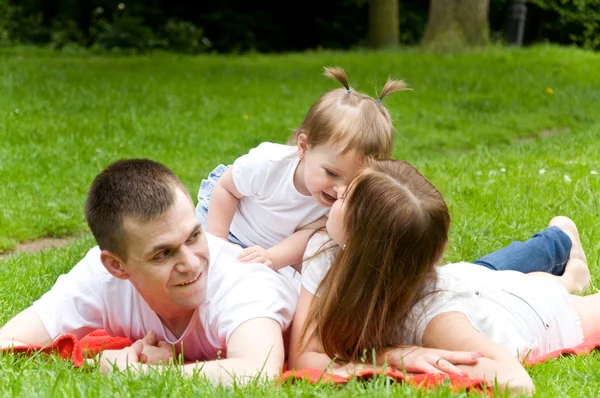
[396, 228]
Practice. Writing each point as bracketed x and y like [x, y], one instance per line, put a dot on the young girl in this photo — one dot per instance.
[383, 288]
[272, 199]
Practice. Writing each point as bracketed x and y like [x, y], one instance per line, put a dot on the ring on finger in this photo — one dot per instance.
[437, 362]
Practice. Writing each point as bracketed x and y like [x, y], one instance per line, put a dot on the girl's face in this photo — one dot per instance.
[335, 222]
[327, 170]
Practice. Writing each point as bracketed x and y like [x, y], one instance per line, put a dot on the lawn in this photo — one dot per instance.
[509, 136]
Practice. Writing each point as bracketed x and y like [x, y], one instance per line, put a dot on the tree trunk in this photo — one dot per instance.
[384, 29]
[457, 23]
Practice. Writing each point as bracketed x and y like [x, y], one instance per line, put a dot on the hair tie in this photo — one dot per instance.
[349, 91]
[379, 100]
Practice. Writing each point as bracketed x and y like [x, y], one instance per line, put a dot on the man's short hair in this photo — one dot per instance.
[139, 188]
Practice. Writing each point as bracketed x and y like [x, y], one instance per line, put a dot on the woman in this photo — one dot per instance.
[383, 289]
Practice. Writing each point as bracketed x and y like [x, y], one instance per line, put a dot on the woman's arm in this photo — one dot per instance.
[453, 331]
[309, 356]
[222, 206]
[412, 359]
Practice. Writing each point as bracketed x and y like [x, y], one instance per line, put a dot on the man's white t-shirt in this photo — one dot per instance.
[90, 298]
[272, 208]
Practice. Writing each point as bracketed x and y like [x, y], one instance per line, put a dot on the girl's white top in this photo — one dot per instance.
[272, 208]
[527, 315]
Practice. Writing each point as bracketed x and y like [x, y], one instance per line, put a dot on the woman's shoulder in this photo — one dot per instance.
[319, 241]
[318, 257]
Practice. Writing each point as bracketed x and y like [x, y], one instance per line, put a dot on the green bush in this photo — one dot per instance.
[122, 31]
[18, 28]
[573, 21]
[66, 33]
[184, 37]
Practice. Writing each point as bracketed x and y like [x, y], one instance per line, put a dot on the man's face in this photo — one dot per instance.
[167, 258]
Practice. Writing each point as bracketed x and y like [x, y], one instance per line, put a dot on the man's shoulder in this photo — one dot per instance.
[228, 276]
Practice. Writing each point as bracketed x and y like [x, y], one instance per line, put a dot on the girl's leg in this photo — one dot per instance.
[547, 251]
[205, 192]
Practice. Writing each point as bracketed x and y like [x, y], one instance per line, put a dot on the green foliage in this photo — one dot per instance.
[184, 37]
[576, 21]
[65, 32]
[121, 31]
[19, 27]
[67, 116]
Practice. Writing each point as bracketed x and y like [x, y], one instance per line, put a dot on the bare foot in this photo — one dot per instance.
[576, 277]
[568, 227]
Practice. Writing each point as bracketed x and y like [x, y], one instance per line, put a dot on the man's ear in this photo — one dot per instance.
[302, 145]
[113, 264]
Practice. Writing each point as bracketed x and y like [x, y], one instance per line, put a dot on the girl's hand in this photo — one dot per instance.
[256, 254]
[430, 360]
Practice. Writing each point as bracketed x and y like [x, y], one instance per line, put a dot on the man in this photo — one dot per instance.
[156, 276]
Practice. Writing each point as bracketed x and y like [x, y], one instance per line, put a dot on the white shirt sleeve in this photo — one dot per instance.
[318, 257]
[445, 297]
[74, 304]
[260, 293]
[250, 171]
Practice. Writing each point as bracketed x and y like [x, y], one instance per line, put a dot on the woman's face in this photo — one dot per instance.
[335, 222]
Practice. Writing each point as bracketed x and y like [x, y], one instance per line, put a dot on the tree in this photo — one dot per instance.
[455, 23]
[384, 30]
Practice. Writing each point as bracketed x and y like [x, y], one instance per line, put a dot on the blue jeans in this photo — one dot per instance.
[546, 251]
[204, 194]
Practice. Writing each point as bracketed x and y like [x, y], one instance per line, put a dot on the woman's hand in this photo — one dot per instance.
[429, 360]
[351, 369]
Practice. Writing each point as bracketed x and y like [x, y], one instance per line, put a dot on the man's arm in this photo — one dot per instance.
[24, 329]
[222, 206]
[255, 349]
[453, 331]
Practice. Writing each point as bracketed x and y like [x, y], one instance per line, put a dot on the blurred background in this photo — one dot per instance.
[234, 26]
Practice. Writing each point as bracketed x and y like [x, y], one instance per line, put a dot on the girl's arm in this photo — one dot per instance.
[289, 251]
[453, 331]
[222, 206]
[412, 359]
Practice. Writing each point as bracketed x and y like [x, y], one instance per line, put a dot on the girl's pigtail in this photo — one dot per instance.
[392, 86]
[338, 74]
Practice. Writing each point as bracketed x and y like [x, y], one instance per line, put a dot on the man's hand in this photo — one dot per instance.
[430, 360]
[121, 359]
[10, 344]
[256, 254]
[155, 352]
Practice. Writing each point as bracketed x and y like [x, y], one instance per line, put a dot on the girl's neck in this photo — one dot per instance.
[299, 183]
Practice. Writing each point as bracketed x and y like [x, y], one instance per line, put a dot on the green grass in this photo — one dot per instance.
[479, 124]
[64, 118]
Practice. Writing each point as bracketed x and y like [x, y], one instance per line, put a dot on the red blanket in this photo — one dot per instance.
[68, 346]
